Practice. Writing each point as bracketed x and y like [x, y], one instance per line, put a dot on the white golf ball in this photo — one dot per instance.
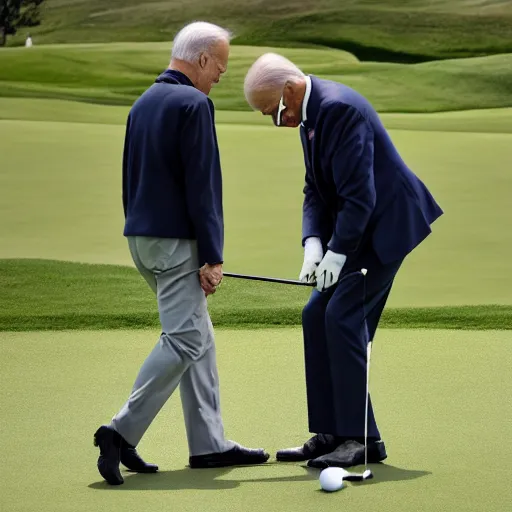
[331, 479]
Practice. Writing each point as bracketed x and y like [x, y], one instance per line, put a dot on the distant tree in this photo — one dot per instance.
[9, 14]
[30, 14]
[15, 14]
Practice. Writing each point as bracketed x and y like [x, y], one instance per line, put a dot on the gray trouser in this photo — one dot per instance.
[184, 354]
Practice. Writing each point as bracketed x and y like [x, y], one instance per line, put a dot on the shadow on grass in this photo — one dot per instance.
[186, 478]
[386, 473]
[381, 473]
[210, 479]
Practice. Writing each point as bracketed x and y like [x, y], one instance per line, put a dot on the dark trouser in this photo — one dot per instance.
[337, 326]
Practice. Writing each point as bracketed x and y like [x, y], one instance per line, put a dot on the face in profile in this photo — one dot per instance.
[212, 66]
[283, 107]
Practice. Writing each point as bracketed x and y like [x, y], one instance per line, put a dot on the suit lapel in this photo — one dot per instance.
[312, 114]
[309, 136]
[315, 171]
[311, 142]
[306, 146]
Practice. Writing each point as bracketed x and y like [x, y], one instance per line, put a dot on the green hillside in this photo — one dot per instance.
[117, 73]
[385, 30]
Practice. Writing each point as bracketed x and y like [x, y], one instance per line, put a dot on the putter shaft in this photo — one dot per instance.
[267, 279]
[275, 279]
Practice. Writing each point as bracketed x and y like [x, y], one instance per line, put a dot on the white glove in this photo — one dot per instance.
[329, 270]
[313, 254]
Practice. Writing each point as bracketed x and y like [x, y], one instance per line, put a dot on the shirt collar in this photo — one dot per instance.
[173, 76]
[306, 100]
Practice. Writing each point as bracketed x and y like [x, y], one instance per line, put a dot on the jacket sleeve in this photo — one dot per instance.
[125, 166]
[351, 152]
[203, 180]
[314, 211]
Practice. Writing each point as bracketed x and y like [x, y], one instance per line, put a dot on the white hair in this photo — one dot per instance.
[196, 38]
[269, 73]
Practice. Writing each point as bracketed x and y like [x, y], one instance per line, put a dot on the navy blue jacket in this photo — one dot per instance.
[172, 183]
[359, 191]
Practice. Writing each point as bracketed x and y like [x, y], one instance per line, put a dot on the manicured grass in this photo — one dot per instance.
[391, 30]
[440, 399]
[117, 73]
[60, 199]
[497, 120]
[55, 295]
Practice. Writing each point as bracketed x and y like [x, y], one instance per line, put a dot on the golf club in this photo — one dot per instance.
[274, 279]
[366, 474]
[268, 279]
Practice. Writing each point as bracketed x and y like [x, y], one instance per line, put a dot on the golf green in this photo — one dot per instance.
[442, 399]
[60, 198]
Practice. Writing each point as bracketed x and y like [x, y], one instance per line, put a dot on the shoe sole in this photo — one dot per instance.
[146, 471]
[373, 458]
[224, 464]
[107, 476]
[297, 458]
[302, 458]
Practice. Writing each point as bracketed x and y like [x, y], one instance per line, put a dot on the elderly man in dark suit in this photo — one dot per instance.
[172, 197]
[363, 208]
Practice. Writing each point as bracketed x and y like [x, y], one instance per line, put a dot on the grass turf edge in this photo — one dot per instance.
[487, 317]
[43, 295]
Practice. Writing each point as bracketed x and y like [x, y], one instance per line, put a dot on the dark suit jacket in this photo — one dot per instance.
[172, 182]
[358, 189]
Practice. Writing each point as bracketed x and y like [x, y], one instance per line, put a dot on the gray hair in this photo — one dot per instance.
[269, 73]
[196, 38]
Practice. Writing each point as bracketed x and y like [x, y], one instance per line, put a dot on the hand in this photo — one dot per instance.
[313, 254]
[210, 276]
[329, 270]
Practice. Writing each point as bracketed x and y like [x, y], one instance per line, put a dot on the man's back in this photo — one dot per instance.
[386, 157]
[165, 127]
[404, 208]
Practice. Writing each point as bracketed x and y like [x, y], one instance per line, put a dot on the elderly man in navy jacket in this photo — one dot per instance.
[172, 197]
[363, 209]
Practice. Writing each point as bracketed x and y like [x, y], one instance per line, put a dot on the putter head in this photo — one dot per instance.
[367, 475]
[358, 477]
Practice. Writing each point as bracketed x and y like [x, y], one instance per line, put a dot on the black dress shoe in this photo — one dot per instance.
[350, 453]
[109, 443]
[318, 445]
[133, 461]
[237, 456]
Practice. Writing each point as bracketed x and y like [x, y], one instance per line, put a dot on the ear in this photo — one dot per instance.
[289, 91]
[289, 85]
[203, 60]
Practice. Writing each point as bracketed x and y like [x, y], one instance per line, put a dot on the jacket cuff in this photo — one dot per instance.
[310, 235]
[211, 257]
[338, 247]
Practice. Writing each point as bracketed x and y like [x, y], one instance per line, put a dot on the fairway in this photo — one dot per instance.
[442, 399]
[497, 120]
[62, 198]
